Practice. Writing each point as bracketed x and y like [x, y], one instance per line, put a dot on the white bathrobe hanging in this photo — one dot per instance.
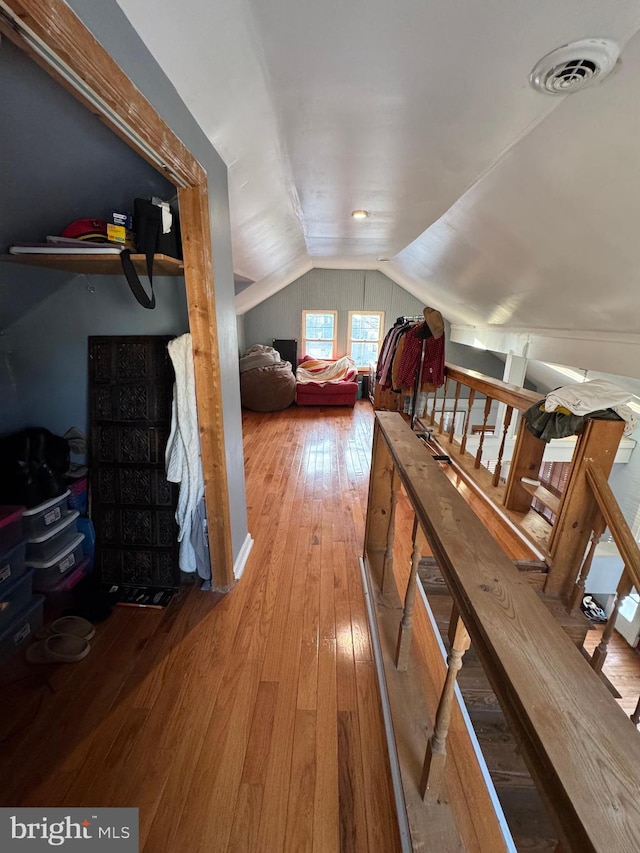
[182, 456]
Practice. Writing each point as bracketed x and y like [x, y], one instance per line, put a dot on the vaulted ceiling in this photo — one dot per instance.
[514, 212]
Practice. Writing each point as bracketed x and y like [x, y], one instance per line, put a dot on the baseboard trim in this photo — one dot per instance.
[243, 556]
[394, 761]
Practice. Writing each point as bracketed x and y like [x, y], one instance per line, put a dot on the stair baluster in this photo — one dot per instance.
[387, 561]
[600, 652]
[578, 590]
[404, 635]
[507, 423]
[452, 427]
[487, 410]
[467, 426]
[444, 402]
[434, 760]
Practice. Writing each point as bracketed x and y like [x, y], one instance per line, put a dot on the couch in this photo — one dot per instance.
[326, 382]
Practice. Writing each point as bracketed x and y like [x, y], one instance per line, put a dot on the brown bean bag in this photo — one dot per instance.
[268, 389]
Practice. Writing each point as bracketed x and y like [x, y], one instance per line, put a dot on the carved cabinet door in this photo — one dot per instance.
[132, 504]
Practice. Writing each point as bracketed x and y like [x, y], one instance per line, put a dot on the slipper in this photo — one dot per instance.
[58, 648]
[75, 626]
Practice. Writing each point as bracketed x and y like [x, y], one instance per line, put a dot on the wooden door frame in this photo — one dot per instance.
[123, 108]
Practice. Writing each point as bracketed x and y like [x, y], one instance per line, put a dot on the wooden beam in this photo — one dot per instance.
[526, 462]
[576, 517]
[198, 264]
[379, 505]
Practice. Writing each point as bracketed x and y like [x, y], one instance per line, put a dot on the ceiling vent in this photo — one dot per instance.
[575, 66]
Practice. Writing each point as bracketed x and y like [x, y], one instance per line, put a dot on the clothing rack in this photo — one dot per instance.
[414, 319]
[416, 385]
[422, 352]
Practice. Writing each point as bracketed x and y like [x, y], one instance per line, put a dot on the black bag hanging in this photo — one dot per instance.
[151, 238]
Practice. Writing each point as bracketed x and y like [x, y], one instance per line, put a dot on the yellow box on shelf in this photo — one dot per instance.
[119, 234]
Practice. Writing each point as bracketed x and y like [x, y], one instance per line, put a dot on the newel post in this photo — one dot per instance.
[383, 485]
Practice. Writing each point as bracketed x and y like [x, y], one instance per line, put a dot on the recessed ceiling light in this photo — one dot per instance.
[359, 214]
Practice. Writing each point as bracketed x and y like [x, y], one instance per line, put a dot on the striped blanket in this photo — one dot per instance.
[321, 371]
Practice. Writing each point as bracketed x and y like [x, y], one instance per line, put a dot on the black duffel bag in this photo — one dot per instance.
[33, 463]
[151, 239]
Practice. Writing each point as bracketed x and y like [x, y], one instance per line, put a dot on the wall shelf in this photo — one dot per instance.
[98, 264]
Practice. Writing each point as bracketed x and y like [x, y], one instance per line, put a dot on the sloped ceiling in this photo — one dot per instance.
[512, 212]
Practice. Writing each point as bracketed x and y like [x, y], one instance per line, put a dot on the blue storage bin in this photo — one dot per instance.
[12, 564]
[22, 629]
[14, 597]
[48, 572]
[39, 521]
[85, 525]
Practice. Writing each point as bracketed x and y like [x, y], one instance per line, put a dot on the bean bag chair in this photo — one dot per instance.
[258, 356]
[269, 388]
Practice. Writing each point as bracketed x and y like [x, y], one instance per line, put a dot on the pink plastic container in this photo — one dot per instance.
[10, 526]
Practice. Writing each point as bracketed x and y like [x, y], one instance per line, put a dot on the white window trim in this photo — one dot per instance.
[351, 339]
[334, 340]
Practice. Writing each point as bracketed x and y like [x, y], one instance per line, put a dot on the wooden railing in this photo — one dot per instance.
[492, 390]
[583, 754]
[564, 541]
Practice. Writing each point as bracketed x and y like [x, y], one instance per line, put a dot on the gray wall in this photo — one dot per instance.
[280, 316]
[63, 181]
[43, 366]
[240, 332]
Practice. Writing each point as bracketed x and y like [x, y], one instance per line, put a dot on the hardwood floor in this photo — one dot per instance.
[249, 722]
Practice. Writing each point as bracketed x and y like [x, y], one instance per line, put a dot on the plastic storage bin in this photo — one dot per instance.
[48, 572]
[40, 520]
[14, 597]
[78, 497]
[67, 583]
[23, 627]
[45, 550]
[85, 525]
[61, 597]
[12, 564]
[10, 526]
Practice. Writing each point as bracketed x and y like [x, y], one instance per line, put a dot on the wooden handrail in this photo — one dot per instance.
[503, 392]
[582, 753]
[612, 514]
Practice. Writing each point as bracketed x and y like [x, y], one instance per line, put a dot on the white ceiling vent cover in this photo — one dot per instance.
[574, 66]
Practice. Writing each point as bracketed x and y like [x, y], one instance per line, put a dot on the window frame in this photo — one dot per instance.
[334, 341]
[351, 340]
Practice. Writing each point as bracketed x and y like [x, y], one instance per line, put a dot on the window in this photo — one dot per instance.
[365, 336]
[319, 333]
[553, 476]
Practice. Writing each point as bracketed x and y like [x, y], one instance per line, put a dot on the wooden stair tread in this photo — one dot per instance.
[543, 495]
[575, 624]
[528, 819]
[524, 810]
